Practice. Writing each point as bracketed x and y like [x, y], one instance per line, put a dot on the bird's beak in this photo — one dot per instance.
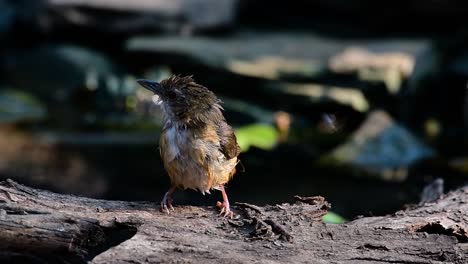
[150, 85]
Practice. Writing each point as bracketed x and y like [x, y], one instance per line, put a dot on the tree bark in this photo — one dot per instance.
[38, 226]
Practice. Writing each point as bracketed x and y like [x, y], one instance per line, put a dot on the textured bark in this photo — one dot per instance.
[42, 227]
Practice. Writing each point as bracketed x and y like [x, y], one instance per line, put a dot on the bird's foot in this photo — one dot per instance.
[166, 203]
[224, 206]
[225, 210]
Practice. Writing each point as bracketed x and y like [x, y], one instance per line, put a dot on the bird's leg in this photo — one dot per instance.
[225, 210]
[166, 202]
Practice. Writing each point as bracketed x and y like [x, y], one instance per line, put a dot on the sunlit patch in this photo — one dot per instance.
[432, 127]
[156, 99]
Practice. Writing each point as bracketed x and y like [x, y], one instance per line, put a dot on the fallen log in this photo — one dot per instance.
[38, 226]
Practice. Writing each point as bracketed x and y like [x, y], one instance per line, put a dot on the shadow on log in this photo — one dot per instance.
[38, 226]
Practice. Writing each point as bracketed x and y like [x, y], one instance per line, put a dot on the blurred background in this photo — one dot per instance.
[363, 102]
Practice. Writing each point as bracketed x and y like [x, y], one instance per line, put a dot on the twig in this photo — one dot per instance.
[250, 206]
[279, 230]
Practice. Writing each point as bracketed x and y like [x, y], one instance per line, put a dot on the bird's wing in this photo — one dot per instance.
[228, 141]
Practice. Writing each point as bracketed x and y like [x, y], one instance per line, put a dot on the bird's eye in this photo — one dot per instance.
[171, 95]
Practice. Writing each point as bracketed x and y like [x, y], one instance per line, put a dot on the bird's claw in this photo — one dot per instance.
[166, 204]
[225, 210]
[165, 207]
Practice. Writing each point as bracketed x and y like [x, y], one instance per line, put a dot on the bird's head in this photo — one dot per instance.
[182, 99]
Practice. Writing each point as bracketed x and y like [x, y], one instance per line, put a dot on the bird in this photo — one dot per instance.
[198, 147]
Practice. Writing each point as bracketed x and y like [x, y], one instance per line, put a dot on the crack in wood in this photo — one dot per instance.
[374, 247]
[436, 228]
[399, 261]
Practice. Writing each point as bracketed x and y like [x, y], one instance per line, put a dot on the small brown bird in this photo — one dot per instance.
[198, 148]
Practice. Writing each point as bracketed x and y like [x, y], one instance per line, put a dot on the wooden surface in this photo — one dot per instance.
[38, 226]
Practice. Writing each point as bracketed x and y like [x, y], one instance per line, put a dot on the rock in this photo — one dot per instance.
[390, 67]
[17, 106]
[123, 16]
[260, 54]
[271, 67]
[381, 146]
[354, 59]
[316, 93]
[289, 55]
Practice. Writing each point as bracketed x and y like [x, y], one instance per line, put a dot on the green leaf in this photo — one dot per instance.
[332, 218]
[258, 135]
